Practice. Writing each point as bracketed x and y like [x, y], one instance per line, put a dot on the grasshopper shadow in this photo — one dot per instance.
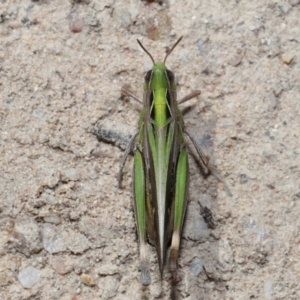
[202, 229]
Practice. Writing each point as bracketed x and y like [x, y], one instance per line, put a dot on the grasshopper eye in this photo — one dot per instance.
[170, 76]
[148, 76]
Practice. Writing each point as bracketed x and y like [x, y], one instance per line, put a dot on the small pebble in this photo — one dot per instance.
[122, 16]
[27, 232]
[97, 153]
[52, 240]
[196, 266]
[75, 23]
[243, 178]
[109, 286]
[294, 2]
[205, 200]
[287, 58]
[273, 100]
[61, 265]
[6, 278]
[107, 269]
[69, 174]
[87, 279]
[159, 25]
[29, 277]
[52, 218]
[235, 60]
[268, 288]
[285, 8]
[200, 44]
[77, 242]
[196, 229]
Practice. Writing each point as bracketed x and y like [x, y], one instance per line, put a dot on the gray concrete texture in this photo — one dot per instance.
[67, 231]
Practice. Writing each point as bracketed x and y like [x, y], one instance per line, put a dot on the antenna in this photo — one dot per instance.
[147, 51]
[172, 49]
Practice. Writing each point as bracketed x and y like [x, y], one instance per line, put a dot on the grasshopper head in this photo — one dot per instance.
[159, 76]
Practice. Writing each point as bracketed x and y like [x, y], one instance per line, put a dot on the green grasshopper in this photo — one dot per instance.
[161, 168]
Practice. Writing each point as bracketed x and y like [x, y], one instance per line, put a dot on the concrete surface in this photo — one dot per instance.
[67, 231]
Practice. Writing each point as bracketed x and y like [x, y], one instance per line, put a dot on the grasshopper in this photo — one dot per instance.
[161, 170]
